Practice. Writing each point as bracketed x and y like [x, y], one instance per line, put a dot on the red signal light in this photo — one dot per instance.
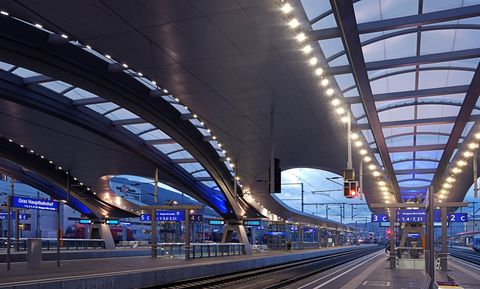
[350, 189]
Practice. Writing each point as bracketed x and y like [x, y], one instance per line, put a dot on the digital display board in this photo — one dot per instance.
[251, 222]
[112, 222]
[29, 203]
[216, 222]
[84, 221]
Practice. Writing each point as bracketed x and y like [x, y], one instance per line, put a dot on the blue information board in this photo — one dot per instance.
[166, 216]
[84, 221]
[376, 218]
[419, 215]
[3, 216]
[29, 203]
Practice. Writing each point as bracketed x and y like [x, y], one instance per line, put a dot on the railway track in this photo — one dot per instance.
[275, 276]
[466, 255]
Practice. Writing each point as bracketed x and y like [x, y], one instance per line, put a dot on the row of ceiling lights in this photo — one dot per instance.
[457, 168]
[153, 82]
[306, 49]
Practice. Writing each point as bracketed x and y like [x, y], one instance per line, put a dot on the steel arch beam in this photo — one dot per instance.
[345, 17]
[49, 102]
[409, 31]
[416, 159]
[410, 180]
[415, 122]
[463, 118]
[24, 45]
[415, 172]
[408, 61]
[432, 68]
[414, 103]
[419, 93]
[402, 22]
[413, 133]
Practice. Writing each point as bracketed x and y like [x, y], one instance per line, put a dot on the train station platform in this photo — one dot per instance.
[372, 271]
[142, 271]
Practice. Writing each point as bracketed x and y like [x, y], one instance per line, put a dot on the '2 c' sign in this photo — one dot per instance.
[458, 217]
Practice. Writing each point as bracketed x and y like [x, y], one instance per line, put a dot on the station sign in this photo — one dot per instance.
[275, 233]
[251, 223]
[196, 218]
[84, 221]
[165, 216]
[376, 218]
[112, 222]
[419, 216]
[216, 222]
[4, 216]
[29, 203]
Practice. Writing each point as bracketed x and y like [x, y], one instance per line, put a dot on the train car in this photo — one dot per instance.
[77, 231]
[476, 243]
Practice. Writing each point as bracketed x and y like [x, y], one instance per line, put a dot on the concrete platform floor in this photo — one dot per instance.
[21, 276]
[373, 272]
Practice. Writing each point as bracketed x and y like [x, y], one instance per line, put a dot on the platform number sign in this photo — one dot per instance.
[377, 218]
[458, 217]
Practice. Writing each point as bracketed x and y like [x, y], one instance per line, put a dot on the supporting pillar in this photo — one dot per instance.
[9, 230]
[444, 254]
[187, 248]
[393, 255]
[475, 175]
[153, 215]
[242, 236]
[155, 189]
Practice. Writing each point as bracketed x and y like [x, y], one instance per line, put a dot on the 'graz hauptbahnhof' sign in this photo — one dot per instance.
[29, 203]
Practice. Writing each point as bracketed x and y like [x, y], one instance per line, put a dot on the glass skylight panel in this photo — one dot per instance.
[78, 93]
[423, 139]
[154, 134]
[414, 184]
[442, 128]
[102, 107]
[439, 5]
[403, 165]
[23, 72]
[313, 8]
[467, 128]
[344, 80]
[145, 81]
[210, 184]
[169, 98]
[436, 154]
[201, 174]
[121, 114]
[204, 131]
[432, 111]
[425, 165]
[327, 22]
[367, 134]
[180, 155]
[401, 156]
[180, 108]
[338, 61]
[391, 48]
[401, 113]
[351, 92]
[195, 122]
[192, 167]
[331, 46]
[357, 110]
[443, 78]
[139, 128]
[394, 83]
[391, 131]
[424, 176]
[449, 98]
[5, 66]
[58, 86]
[404, 177]
[168, 148]
[400, 141]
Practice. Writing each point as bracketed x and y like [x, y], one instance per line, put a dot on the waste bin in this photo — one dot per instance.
[34, 253]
